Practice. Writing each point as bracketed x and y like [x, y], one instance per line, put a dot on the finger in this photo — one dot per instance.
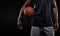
[55, 29]
[20, 27]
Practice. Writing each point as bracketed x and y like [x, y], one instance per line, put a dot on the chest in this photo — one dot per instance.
[41, 2]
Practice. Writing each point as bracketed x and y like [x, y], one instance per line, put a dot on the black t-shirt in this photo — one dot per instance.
[43, 13]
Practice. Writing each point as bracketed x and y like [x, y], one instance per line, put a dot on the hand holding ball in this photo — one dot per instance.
[29, 11]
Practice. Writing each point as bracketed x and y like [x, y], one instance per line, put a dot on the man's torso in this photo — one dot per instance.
[43, 13]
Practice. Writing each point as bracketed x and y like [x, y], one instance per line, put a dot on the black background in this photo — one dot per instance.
[9, 11]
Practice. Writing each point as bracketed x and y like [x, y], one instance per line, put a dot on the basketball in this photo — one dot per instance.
[29, 11]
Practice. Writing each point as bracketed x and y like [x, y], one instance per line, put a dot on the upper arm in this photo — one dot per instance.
[54, 7]
[29, 3]
[54, 3]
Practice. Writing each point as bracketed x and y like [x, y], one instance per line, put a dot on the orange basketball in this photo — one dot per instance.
[29, 11]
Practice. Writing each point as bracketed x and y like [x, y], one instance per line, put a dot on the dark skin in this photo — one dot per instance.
[55, 14]
[19, 23]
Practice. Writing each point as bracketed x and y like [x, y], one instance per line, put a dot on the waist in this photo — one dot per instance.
[42, 22]
[42, 25]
